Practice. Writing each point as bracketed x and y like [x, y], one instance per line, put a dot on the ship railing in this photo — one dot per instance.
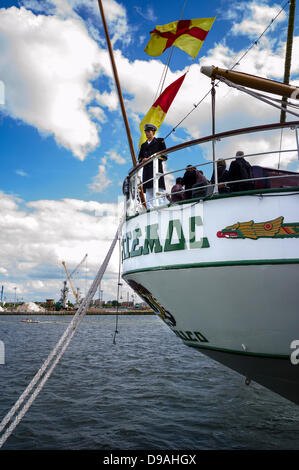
[211, 188]
[133, 198]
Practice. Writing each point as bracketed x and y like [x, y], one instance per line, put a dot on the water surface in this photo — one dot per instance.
[148, 391]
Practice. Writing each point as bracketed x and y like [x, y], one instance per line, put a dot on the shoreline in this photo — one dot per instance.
[89, 312]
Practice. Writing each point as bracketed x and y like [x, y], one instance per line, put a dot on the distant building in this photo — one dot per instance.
[50, 304]
[127, 304]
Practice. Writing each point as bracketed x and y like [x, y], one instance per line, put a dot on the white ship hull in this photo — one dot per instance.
[233, 293]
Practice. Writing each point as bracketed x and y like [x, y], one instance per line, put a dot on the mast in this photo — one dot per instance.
[252, 81]
[120, 96]
[115, 73]
[288, 57]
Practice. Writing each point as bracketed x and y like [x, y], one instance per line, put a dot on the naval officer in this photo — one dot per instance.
[148, 148]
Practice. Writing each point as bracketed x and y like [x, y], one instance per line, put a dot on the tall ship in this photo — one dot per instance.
[221, 267]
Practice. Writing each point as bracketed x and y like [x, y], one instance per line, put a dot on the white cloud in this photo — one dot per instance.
[21, 173]
[46, 64]
[116, 157]
[36, 237]
[100, 181]
[264, 142]
[256, 17]
[169, 179]
[147, 13]
[109, 100]
[39, 6]
[97, 113]
[117, 21]
[115, 13]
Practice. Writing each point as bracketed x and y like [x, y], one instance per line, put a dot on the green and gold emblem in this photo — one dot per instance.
[270, 229]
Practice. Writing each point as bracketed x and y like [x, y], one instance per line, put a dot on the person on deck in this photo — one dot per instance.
[189, 179]
[199, 189]
[240, 169]
[177, 191]
[193, 177]
[223, 176]
[147, 149]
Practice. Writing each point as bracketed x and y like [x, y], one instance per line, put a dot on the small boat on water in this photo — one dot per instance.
[29, 320]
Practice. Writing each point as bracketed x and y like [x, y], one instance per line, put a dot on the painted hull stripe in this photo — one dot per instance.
[240, 353]
[215, 264]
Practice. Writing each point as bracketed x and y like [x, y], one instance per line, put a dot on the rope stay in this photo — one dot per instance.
[233, 66]
[267, 99]
[119, 284]
[53, 358]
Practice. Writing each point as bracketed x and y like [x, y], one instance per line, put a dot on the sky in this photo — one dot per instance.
[64, 149]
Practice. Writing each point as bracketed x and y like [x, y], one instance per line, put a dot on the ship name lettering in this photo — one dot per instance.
[194, 336]
[152, 240]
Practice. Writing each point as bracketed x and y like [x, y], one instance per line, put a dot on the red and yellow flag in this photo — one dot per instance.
[187, 35]
[158, 111]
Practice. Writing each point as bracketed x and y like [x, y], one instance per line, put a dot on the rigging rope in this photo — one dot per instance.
[278, 166]
[118, 286]
[235, 64]
[62, 344]
[267, 99]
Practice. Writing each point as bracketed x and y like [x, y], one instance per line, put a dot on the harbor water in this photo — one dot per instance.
[147, 391]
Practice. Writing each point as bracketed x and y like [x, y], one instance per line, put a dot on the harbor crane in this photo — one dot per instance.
[77, 267]
[64, 292]
[69, 276]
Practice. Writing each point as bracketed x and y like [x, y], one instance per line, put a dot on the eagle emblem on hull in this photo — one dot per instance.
[269, 229]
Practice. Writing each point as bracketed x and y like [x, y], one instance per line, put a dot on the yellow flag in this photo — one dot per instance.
[187, 35]
[158, 111]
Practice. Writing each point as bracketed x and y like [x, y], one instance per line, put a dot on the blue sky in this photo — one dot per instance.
[63, 143]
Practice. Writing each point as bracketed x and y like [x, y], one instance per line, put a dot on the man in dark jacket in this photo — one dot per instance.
[148, 148]
[240, 169]
[223, 176]
[189, 179]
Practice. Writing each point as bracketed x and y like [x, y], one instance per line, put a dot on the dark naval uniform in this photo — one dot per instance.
[146, 150]
[240, 169]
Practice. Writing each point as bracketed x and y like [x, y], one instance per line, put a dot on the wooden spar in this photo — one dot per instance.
[115, 73]
[120, 96]
[288, 57]
[252, 81]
